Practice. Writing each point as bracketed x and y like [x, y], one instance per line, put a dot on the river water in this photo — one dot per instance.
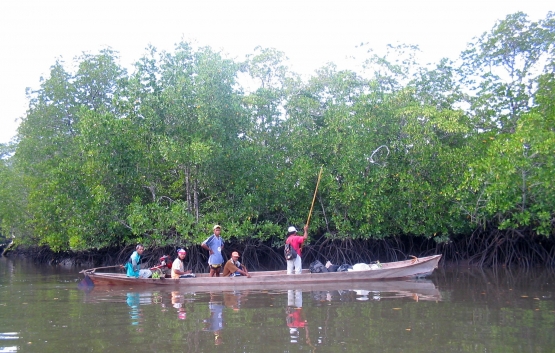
[42, 309]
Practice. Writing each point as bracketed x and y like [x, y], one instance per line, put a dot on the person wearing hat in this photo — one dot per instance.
[296, 241]
[178, 267]
[164, 267]
[234, 268]
[214, 244]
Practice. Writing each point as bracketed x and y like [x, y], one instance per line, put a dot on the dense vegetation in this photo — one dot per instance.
[457, 158]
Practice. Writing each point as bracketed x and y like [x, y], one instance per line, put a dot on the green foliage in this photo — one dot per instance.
[159, 224]
[512, 184]
[502, 68]
[12, 191]
[106, 158]
[507, 184]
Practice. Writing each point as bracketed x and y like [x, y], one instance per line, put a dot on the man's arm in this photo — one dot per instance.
[205, 246]
[305, 236]
[177, 271]
[244, 271]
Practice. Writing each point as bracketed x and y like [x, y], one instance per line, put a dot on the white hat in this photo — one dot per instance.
[291, 230]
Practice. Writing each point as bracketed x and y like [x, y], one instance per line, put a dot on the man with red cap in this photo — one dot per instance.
[234, 268]
[178, 267]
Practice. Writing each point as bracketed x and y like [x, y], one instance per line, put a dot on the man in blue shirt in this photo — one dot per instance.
[214, 244]
[134, 264]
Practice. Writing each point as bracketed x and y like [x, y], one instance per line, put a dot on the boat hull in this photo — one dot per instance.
[420, 267]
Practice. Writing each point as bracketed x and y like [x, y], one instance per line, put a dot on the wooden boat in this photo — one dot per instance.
[415, 268]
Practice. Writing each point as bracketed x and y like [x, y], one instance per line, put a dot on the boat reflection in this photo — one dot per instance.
[416, 290]
[213, 308]
[8, 337]
[297, 320]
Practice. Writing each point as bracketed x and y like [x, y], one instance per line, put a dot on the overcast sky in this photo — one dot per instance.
[33, 33]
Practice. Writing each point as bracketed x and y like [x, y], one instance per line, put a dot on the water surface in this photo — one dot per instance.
[455, 310]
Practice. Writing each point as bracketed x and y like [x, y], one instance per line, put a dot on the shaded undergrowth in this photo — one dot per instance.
[481, 249]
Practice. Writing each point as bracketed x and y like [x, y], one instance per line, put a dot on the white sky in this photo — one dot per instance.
[33, 33]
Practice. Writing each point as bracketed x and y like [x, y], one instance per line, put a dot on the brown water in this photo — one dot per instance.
[456, 310]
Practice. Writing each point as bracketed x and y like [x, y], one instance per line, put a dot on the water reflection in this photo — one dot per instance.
[86, 284]
[295, 318]
[363, 295]
[466, 310]
[413, 290]
[134, 301]
[208, 313]
[215, 323]
[8, 336]
[235, 299]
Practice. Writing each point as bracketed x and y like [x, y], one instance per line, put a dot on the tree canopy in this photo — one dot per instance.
[107, 158]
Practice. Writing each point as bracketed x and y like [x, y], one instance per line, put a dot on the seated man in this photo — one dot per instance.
[178, 267]
[234, 268]
[133, 265]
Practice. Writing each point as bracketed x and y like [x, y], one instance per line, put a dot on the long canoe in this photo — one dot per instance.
[414, 268]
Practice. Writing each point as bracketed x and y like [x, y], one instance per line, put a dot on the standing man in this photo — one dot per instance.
[214, 244]
[296, 241]
[133, 265]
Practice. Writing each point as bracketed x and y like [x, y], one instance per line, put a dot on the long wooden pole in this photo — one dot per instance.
[314, 198]
[101, 268]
